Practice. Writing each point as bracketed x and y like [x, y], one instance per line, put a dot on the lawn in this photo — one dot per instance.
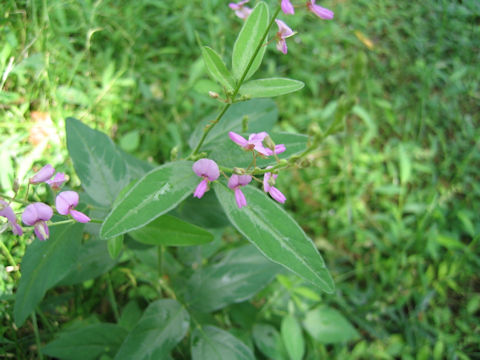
[391, 198]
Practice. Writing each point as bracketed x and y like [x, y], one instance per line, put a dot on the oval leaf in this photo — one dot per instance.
[266, 225]
[327, 326]
[88, 342]
[163, 324]
[237, 277]
[153, 195]
[252, 35]
[98, 163]
[269, 341]
[168, 230]
[213, 343]
[270, 87]
[217, 69]
[293, 338]
[44, 264]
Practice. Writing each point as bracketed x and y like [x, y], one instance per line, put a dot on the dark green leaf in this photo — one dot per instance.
[163, 324]
[153, 195]
[213, 343]
[269, 341]
[275, 234]
[97, 162]
[93, 260]
[44, 264]
[237, 277]
[328, 326]
[270, 87]
[168, 230]
[88, 342]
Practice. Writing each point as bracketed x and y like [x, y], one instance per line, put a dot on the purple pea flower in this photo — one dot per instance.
[208, 170]
[254, 142]
[65, 202]
[283, 32]
[44, 174]
[268, 182]
[57, 181]
[287, 7]
[36, 215]
[235, 183]
[7, 212]
[321, 12]
[240, 10]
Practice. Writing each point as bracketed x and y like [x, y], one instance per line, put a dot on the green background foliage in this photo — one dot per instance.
[392, 201]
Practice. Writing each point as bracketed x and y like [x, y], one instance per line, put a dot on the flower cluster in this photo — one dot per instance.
[287, 7]
[37, 214]
[208, 169]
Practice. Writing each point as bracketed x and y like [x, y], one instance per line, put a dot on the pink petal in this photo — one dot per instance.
[79, 216]
[238, 139]
[266, 185]
[43, 174]
[277, 195]
[65, 201]
[287, 7]
[240, 198]
[206, 168]
[7, 212]
[282, 46]
[284, 30]
[321, 12]
[57, 181]
[201, 189]
[16, 229]
[36, 212]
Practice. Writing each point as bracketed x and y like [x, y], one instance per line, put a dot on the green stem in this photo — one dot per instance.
[210, 126]
[161, 257]
[111, 297]
[9, 198]
[37, 335]
[10, 258]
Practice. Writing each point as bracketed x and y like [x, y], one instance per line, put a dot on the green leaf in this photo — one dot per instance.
[266, 225]
[250, 37]
[88, 342]
[163, 324]
[227, 153]
[156, 193]
[115, 246]
[217, 68]
[97, 162]
[328, 326]
[241, 274]
[293, 338]
[93, 260]
[44, 264]
[269, 341]
[270, 87]
[213, 343]
[259, 115]
[168, 230]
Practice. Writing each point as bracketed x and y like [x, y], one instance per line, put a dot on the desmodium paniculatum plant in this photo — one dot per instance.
[129, 208]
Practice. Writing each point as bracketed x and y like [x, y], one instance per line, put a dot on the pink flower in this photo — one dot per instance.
[57, 181]
[235, 183]
[280, 148]
[65, 203]
[321, 12]
[43, 174]
[268, 182]
[287, 7]
[36, 215]
[254, 141]
[241, 11]
[208, 170]
[7, 212]
[283, 32]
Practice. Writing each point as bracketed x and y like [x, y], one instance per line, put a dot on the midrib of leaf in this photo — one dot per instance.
[287, 246]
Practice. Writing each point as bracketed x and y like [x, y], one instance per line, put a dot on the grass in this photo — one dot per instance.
[392, 201]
